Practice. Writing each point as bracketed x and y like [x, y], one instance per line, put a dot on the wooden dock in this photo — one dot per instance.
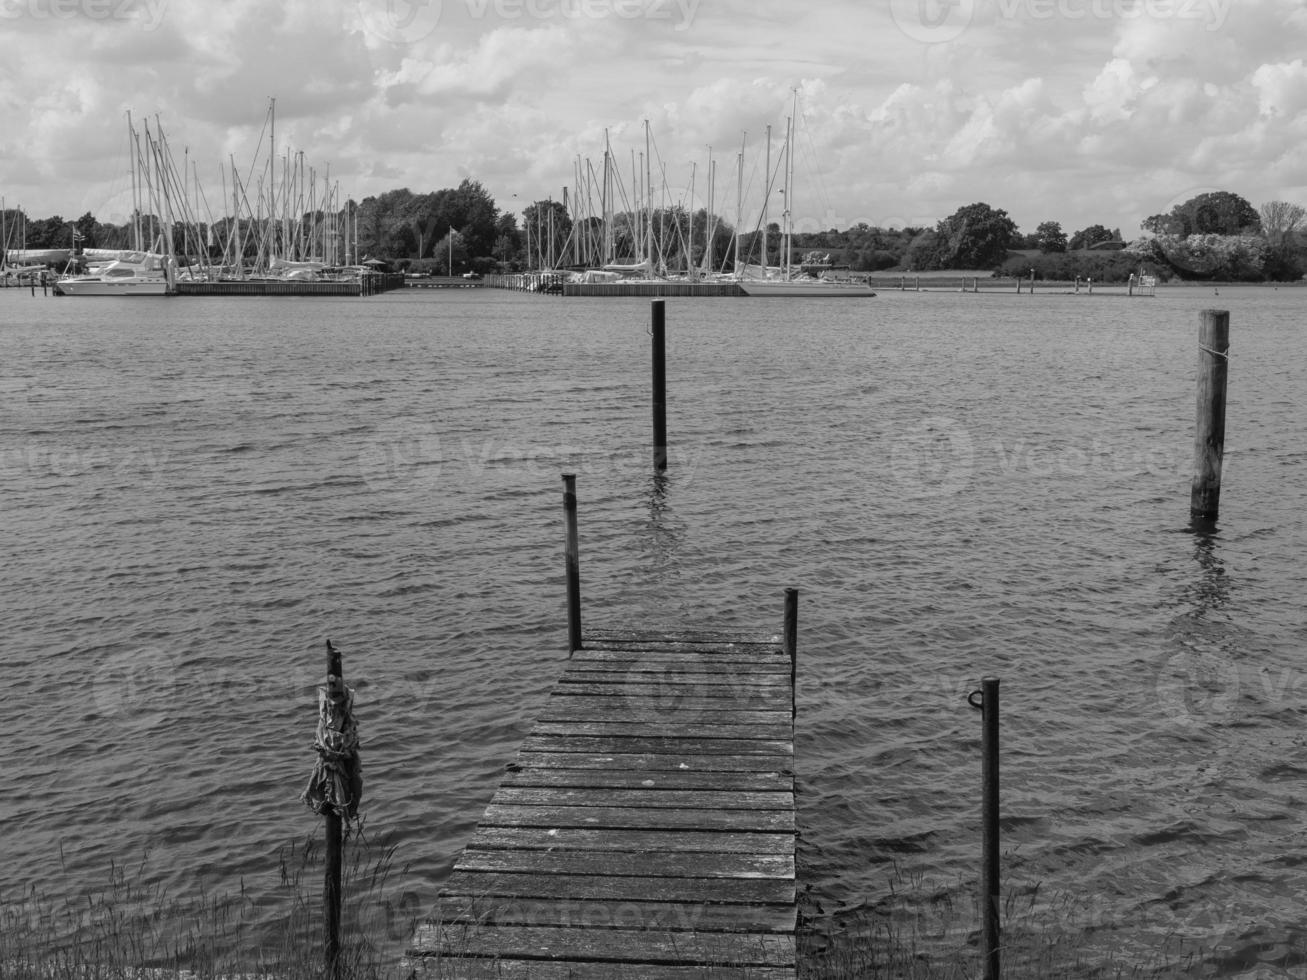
[646, 829]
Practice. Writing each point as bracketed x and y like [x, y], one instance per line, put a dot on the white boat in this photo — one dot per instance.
[803, 286]
[136, 274]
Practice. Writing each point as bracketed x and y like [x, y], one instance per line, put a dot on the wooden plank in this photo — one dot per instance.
[498, 969]
[744, 681]
[719, 891]
[615, 946]
[650, 762]
[702, 799]
[754, 696]
[646, 779]
[701, 729]
[637, 818]
[674, 865]
[612, 660]
[562, 708]
[573, 839]
[690, 748]
[601, 637]
[663, 916]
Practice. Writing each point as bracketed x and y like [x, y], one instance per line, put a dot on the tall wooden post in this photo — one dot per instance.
[573, 565]
[659, 386]
[791, 639]
[331, 894]
[1209, 437]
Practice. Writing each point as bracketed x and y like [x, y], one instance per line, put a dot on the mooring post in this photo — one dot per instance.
[1209, 437]
[986, 700]
[331, 893]
[791, 640]
[659, 385]
[573, 566]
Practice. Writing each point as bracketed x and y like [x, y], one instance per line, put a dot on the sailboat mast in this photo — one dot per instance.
[766, 199]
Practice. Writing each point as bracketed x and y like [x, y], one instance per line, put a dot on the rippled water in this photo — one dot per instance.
[197, 493]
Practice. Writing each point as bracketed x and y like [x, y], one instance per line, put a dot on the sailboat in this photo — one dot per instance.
[784, 281]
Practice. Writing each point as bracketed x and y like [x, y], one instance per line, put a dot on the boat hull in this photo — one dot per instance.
[101, 287]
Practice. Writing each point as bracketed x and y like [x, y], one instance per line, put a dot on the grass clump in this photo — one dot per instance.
[130, 927]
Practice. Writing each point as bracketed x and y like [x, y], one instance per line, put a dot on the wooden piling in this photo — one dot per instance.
[573, 565]
[331, 893]
[659, 315]
[1209, 436]
[791, 639]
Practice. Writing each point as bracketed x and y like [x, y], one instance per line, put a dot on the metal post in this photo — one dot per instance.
[792, 645]
[573, 565]
[659, 386]
[986, 700]
[1209, 437]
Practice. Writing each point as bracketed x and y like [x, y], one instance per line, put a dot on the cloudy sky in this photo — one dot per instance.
[1079, 111]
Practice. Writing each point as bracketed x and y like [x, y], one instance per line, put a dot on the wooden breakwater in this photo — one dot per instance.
[368, 285]
[557, 284]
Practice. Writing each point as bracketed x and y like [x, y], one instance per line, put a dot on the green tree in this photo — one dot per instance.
[1214, 213]
[1051, 237]
[974, 237]
[1089, 237]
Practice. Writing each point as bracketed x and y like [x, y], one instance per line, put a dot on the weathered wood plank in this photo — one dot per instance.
[564, 708]
[636, 818]
[701, 799]
[607, 888]
[687, 747]
[731, 681]
[647, 779]
[615, 945]
[671, 694]
[600, 637]
[637, 841]
[612, 662]
[434, 968]
[663, 729]
[652, 762]
[674, 865]
[662, 916]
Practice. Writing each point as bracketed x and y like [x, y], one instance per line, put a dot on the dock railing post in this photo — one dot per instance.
[573, 566]
[659, 315]
[791, 638]
[986, 699]
[1209, 435]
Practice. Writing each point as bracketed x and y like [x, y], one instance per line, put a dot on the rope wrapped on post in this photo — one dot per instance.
[337, 781]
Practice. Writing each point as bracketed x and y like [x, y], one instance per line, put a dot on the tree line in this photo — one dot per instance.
[1214, 236]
